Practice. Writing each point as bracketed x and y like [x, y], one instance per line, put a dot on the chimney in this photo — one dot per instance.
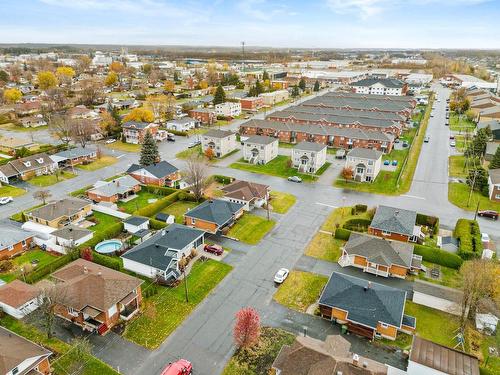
[365, 364]
[396, 213]
[355, 359]
[99, 273]
[85, 270]
[369, 284]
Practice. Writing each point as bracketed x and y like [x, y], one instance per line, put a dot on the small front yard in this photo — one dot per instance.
[282, 202]
[250, 228]
[340, 215]
[300, 290]
[51, 179]
[259, 359]
[27, 261]
[11, 191]
[458, 194]
[463, 125]
[188, 152]
[278, 167]
[139, 202]
[163, 312]
[456, 166]
[178, 209]
[126, 147]
[325, 246]
[103, 221]
[102, 162]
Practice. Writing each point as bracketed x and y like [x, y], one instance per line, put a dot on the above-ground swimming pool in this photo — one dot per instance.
[108, 246]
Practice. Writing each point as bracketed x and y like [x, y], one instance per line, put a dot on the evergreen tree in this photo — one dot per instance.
[316, 86]
[220, 95]
[302, 84]
[265, 76]
[116, 115]
[478, 177]
[176, 77]
[258, 88]
[495, 162]
[295, 91]
[149, 151]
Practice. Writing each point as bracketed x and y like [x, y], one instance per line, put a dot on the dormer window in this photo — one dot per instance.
[27, 163]
[40, 160]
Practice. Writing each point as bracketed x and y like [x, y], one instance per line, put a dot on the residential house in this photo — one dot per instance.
[494, 125]
[13, 240]
[228, 109]
[159, 255]
[28, 108]
[279, 84]
[222, 142]
[26, 168]
[252, 103]
[380, 86]
[272, 98]
[96, 297]
[494, 185]
[309, 157]
[75, 156]
[21, 356]
[213, 216]
[18, 299]
[71, 236]
[259, 149]
[250, 194]
[309, 356]
[32, 121]
[379, 256]
[135, 131]
[367, 309]
[365, 163]
[112, 191]
[135, 224]
[10, 145]
[182, 124]
[395, 224]
[60, 213]
[159, 174]
[490, 114]
[82, 112]
[491, 149]
[204, 115]
[430, 358]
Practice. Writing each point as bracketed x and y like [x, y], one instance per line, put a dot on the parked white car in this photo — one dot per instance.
[109, 141]
[5, 200]
[485, 239]
[281, 275]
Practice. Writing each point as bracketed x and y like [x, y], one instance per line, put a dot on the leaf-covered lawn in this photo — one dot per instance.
[325, 246]
[104, 161]
[251, 228]
[282, 202]
[163, 312]
[300, 290]
[458, 194]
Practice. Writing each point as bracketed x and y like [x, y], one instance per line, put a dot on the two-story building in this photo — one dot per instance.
[308, 157]
[228, 109]
[222, 142]
[252, 103]
[203, 115]
[365, 163]
[271, 98]
[494, 185]
[135, 131]
[395, 224]
[259, 149]
[380, 86]
[60, 213]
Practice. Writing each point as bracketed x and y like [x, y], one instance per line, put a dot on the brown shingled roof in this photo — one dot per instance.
[245, 190]
[17, 293]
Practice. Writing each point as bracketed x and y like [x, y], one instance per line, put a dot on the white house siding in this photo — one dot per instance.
[222, 146]
[25, 365]
[246, 204]
[110, 211]
[436, 303]
[22, 311]
[135, 228]
[266, 153]
[418, 369]
[139, 268]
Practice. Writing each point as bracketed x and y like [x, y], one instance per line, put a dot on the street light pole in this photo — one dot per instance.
[185, 284]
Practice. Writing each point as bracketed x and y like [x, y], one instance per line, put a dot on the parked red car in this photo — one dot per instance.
[214, 249]
[181, 367]
[488, 213]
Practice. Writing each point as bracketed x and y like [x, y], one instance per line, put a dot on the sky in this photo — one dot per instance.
[272, 23]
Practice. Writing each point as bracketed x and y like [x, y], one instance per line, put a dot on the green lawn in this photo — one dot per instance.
[64, 361]
[139, 202]
[121, 146]
[19, 216]
[259, 359]
[103, 221]
[20, 128]
[462, 126]
[163, 312]
[339, 216]
[456, 166]
[250, 228]
[458, 194]
[282, 202]
[300, 290]
[323, 169]
[178, 209]
[325, 246]
[11, 191]
[24, 261]
[188, 152]
[450, 277]
[276, 167]
[104, 161]
[51, 179]
[286, 145]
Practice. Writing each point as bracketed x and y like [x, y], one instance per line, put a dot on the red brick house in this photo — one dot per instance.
[251, 103]
[213, 216]
[134, 131]
[395, 224]
[13, 241]
[96, 297]
[113, 191]
[159, 174]
[204, 115]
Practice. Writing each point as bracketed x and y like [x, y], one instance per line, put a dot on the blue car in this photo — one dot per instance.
[387, 162]
[394, 162]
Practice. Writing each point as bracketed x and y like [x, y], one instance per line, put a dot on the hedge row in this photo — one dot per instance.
[178, 132]
[40, 272]
[342, 234]
[156, 224]
[111, 231]
[114, 263]
[430, 221]
[438, 256]
[359, 225]
[159, 190]
[469, 236]
[152, 209]
[359, 208]
[221, 179]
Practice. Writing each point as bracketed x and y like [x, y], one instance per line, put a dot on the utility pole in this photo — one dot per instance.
[267, 207]
[185, 283]
[477, 209]
[472, 187]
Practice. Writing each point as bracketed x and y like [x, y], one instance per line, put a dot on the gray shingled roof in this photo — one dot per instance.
[118, 186]
[387, 82]
[71, 232]
[495, 176]
[365, 153]
[65, 207]
[135, 220]
[76, 152]
[12, 234]
[356, 113]
[159, 250]
[135, 124]
[159, 170]
[310, 146]
[380, 251]
[217, 133]
[261, 140]
[394, 220]
[365, 303]
[215, 211]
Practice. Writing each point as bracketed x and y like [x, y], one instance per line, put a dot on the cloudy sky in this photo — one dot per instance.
[285, 23]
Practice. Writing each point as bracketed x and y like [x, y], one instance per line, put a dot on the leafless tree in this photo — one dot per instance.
[196, 175]
[60, 126]
[91, 91]
[479, 279]
[52, 297]
[42, 195]
[82, 130]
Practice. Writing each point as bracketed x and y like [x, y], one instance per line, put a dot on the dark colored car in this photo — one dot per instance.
[170, 138]
[488, 213]
[214, 249]
[181, 367]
